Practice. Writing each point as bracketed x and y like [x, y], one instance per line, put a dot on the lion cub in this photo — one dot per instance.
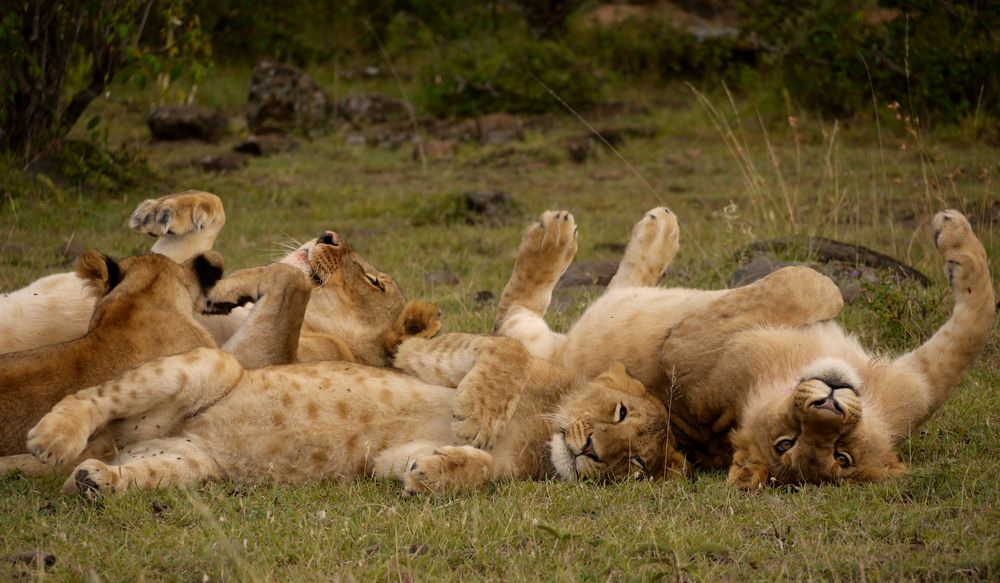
[145, 309]
[509, 416]
[757, 378]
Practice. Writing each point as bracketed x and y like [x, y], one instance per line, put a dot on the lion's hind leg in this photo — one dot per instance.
[546, 251]
[651, 248]
[156, 463]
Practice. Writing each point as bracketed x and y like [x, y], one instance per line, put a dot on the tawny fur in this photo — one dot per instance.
[739, 368]
[350, 316]
[146, 309]
[335, 420]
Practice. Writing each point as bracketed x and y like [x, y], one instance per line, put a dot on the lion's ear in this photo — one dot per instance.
[748, 471]
[618, 376]
[103, 273]
[206, 268]
[418, 319]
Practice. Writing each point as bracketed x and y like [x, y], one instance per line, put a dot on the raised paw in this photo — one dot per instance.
[94, 478]
[550, 243]
[545, 253]
[651, 248]
[447, 468]
[963, 254]
[179, 214]
[59, 437]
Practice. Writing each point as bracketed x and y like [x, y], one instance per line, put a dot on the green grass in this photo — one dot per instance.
[715, 171]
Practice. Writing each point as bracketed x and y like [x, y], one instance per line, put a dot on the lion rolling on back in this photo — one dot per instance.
[757, 378]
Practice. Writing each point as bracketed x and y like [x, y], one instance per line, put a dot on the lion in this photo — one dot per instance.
[758, 379]
[144, 308]
[352, 309]
[460, 411]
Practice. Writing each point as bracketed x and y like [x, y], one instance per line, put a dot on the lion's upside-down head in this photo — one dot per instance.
[822, 431]
[613, 428]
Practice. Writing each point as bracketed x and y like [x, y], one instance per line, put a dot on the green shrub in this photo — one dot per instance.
[937, 58]
[505, 74]
[657, 47]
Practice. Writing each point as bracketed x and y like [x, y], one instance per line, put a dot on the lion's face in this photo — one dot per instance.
[352, 300]
[612, 428]
[816, 434]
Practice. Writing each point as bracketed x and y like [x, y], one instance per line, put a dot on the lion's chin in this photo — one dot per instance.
[562, 458]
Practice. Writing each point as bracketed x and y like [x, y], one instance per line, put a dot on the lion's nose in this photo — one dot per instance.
[588, 448]
[830, 404]
[329, 238]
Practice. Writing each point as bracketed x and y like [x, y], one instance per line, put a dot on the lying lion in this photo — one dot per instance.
[144, 309]
[492, 412]
[351, 313]
[757, 378]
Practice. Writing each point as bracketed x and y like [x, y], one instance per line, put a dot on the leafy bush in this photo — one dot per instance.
[657, 47]
[505, 74]
[940, 58]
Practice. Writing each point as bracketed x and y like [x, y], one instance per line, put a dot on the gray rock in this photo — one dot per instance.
[284, 99]
[493, 206]
[756, 269]
[584, 273]
[483, 297]
[186, 122]
[266, 144]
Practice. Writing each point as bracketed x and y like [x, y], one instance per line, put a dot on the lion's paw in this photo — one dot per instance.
[651, 248]
[550, 243]
[94, 478]
[179, 214]
[481, 419]
[963, 254]
[447, 468]
[59, 437]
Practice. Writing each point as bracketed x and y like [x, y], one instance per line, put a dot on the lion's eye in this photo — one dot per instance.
[375, 282]
[784, 444]
[621, 411]
[843, 458]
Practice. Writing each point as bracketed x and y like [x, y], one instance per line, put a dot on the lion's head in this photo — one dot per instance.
[355, 301]
[822, 431]
[152, 279]
[613, 428]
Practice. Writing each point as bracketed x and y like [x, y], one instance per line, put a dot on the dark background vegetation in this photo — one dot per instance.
[938, 59]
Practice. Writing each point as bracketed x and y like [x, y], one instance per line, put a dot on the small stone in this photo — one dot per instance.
[186, 122]
[418, 549]
[266, 144]
[483, 297]
[494, 206]
[33, 559]
[355, 140]
[583, 273]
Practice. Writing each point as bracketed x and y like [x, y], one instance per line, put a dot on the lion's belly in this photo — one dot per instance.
[311, 422]
[629, 325]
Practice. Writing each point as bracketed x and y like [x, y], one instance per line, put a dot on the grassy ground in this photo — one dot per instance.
[729, 180]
